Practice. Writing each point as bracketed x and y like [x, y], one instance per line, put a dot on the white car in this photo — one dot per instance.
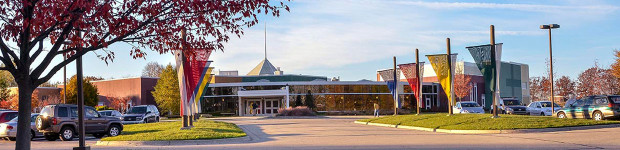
[467, 107]
[542, 108]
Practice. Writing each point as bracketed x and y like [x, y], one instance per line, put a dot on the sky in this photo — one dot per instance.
[352, 39]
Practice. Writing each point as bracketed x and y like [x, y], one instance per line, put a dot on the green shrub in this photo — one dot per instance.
[100, 108]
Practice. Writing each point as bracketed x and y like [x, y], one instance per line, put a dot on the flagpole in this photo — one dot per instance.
[395, 89]
[417, 68]
[494, 70]
[450, 80]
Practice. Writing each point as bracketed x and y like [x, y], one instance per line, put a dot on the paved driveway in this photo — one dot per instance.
[341, 133]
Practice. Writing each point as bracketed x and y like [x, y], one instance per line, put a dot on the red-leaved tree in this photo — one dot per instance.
[462, 83]
[76, 27]
[119, 103]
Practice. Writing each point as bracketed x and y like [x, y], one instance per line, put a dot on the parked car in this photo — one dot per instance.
[112, 113]
[9, 129]
[598, 107]
[513, 106]
[6, 116]
[467, 107]
[141, 114]
[61, 120]
[542, 108]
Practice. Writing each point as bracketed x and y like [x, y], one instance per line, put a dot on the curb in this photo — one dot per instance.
[168, 143]
[490, 131]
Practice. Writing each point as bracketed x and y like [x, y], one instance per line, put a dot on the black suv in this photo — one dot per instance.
[141, 114]
[60, 121]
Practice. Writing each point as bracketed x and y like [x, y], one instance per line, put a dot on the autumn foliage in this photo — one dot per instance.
[119, 103]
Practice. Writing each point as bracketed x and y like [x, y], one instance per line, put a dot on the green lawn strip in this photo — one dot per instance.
[203, 129]
[483, 121]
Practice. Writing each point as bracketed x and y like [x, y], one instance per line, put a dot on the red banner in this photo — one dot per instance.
[413, 77]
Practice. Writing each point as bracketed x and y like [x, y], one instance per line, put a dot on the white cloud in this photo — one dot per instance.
[594, 9]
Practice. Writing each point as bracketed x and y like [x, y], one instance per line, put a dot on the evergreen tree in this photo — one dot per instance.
[310, 100]
[90, 92]
[298, 101]
[166, 92]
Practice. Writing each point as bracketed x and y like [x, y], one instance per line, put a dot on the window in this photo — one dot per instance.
[62, 112]
[91, 113]
[47, 110]
[33, 118]
[601, 101]
[74, 112]
[10, 116]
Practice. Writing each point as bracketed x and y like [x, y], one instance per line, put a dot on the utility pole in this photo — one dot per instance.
[395, 88]
[64, 68]
[450, 111]
[417, 68]
[494, 70]
[80, 100]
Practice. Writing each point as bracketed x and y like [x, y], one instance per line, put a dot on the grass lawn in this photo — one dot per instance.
[483, 121]
[203, 129]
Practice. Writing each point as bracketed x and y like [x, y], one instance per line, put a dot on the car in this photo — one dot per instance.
[6, 116]
[61, 121]
[141, 114]
[542, 108]
[467, 107]
[597, 107]
[9, 129]
[513, 106]
[112, 113]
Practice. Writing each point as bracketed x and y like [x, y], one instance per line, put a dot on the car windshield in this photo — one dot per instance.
[615, 99]
[470, 105]
[137, 110]
[14, 119]
[548, 104]
[511, 102]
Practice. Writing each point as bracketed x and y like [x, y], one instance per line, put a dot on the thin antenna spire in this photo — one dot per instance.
[265, 40]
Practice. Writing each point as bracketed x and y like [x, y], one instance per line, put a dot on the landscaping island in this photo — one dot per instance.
[482, 121]
[161, 131]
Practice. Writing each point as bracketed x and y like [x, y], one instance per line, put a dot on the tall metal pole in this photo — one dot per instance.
[80, 100]
[417, 67]
[64, 68]
[450, 111]
[395, 88]
[494, 70]
[551, 74]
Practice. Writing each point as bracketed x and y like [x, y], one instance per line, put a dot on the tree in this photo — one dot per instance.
[13, 102]
[93, 25]
[539, 88]
[119, 103]
[5, 82]
[310, 100]
[298, 101]
[597, 81]
[91, 96]
[166, 92]
[565, 86]
[152, 69]
[615, 67]
[462, 83]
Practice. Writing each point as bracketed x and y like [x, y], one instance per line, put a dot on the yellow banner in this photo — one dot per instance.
[440, 65]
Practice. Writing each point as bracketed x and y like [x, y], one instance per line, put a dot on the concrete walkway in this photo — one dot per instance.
[341, 133]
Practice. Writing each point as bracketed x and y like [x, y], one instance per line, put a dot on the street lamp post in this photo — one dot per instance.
[549, 27]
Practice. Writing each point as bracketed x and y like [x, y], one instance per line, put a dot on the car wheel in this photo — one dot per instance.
[114, 130]
[31, 135]
[542, 113]
[598, 116]
[50, 137]
[561, 115]
[98, 135]
[157, 120]
[67, 134]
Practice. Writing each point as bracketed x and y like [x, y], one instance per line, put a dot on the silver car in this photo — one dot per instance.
[9, 129]
[467, 107]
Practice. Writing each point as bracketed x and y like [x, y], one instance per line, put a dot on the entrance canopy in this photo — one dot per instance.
[265, 100]
[262, 93]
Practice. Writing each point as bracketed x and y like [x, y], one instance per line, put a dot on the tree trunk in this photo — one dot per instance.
[23, 124]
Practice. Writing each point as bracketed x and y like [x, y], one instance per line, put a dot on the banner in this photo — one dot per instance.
[192, 71]
[410, 71]
[444, 72]
[489, 66]
[391, 78]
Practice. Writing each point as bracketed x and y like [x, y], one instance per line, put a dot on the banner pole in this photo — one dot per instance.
[417, 68]
[395, 89]
[450, 80]
[494, 70]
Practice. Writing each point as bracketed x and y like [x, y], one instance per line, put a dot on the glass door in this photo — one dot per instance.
[272, 106]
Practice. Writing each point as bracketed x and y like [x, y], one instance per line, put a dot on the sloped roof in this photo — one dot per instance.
[263, 68]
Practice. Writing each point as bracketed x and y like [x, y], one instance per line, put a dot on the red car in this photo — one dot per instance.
[6, 116]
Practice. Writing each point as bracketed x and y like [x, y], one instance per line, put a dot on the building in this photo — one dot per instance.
[46, 95]
[138, 89]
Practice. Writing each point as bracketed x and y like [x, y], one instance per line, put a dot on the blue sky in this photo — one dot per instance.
[354, 38]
